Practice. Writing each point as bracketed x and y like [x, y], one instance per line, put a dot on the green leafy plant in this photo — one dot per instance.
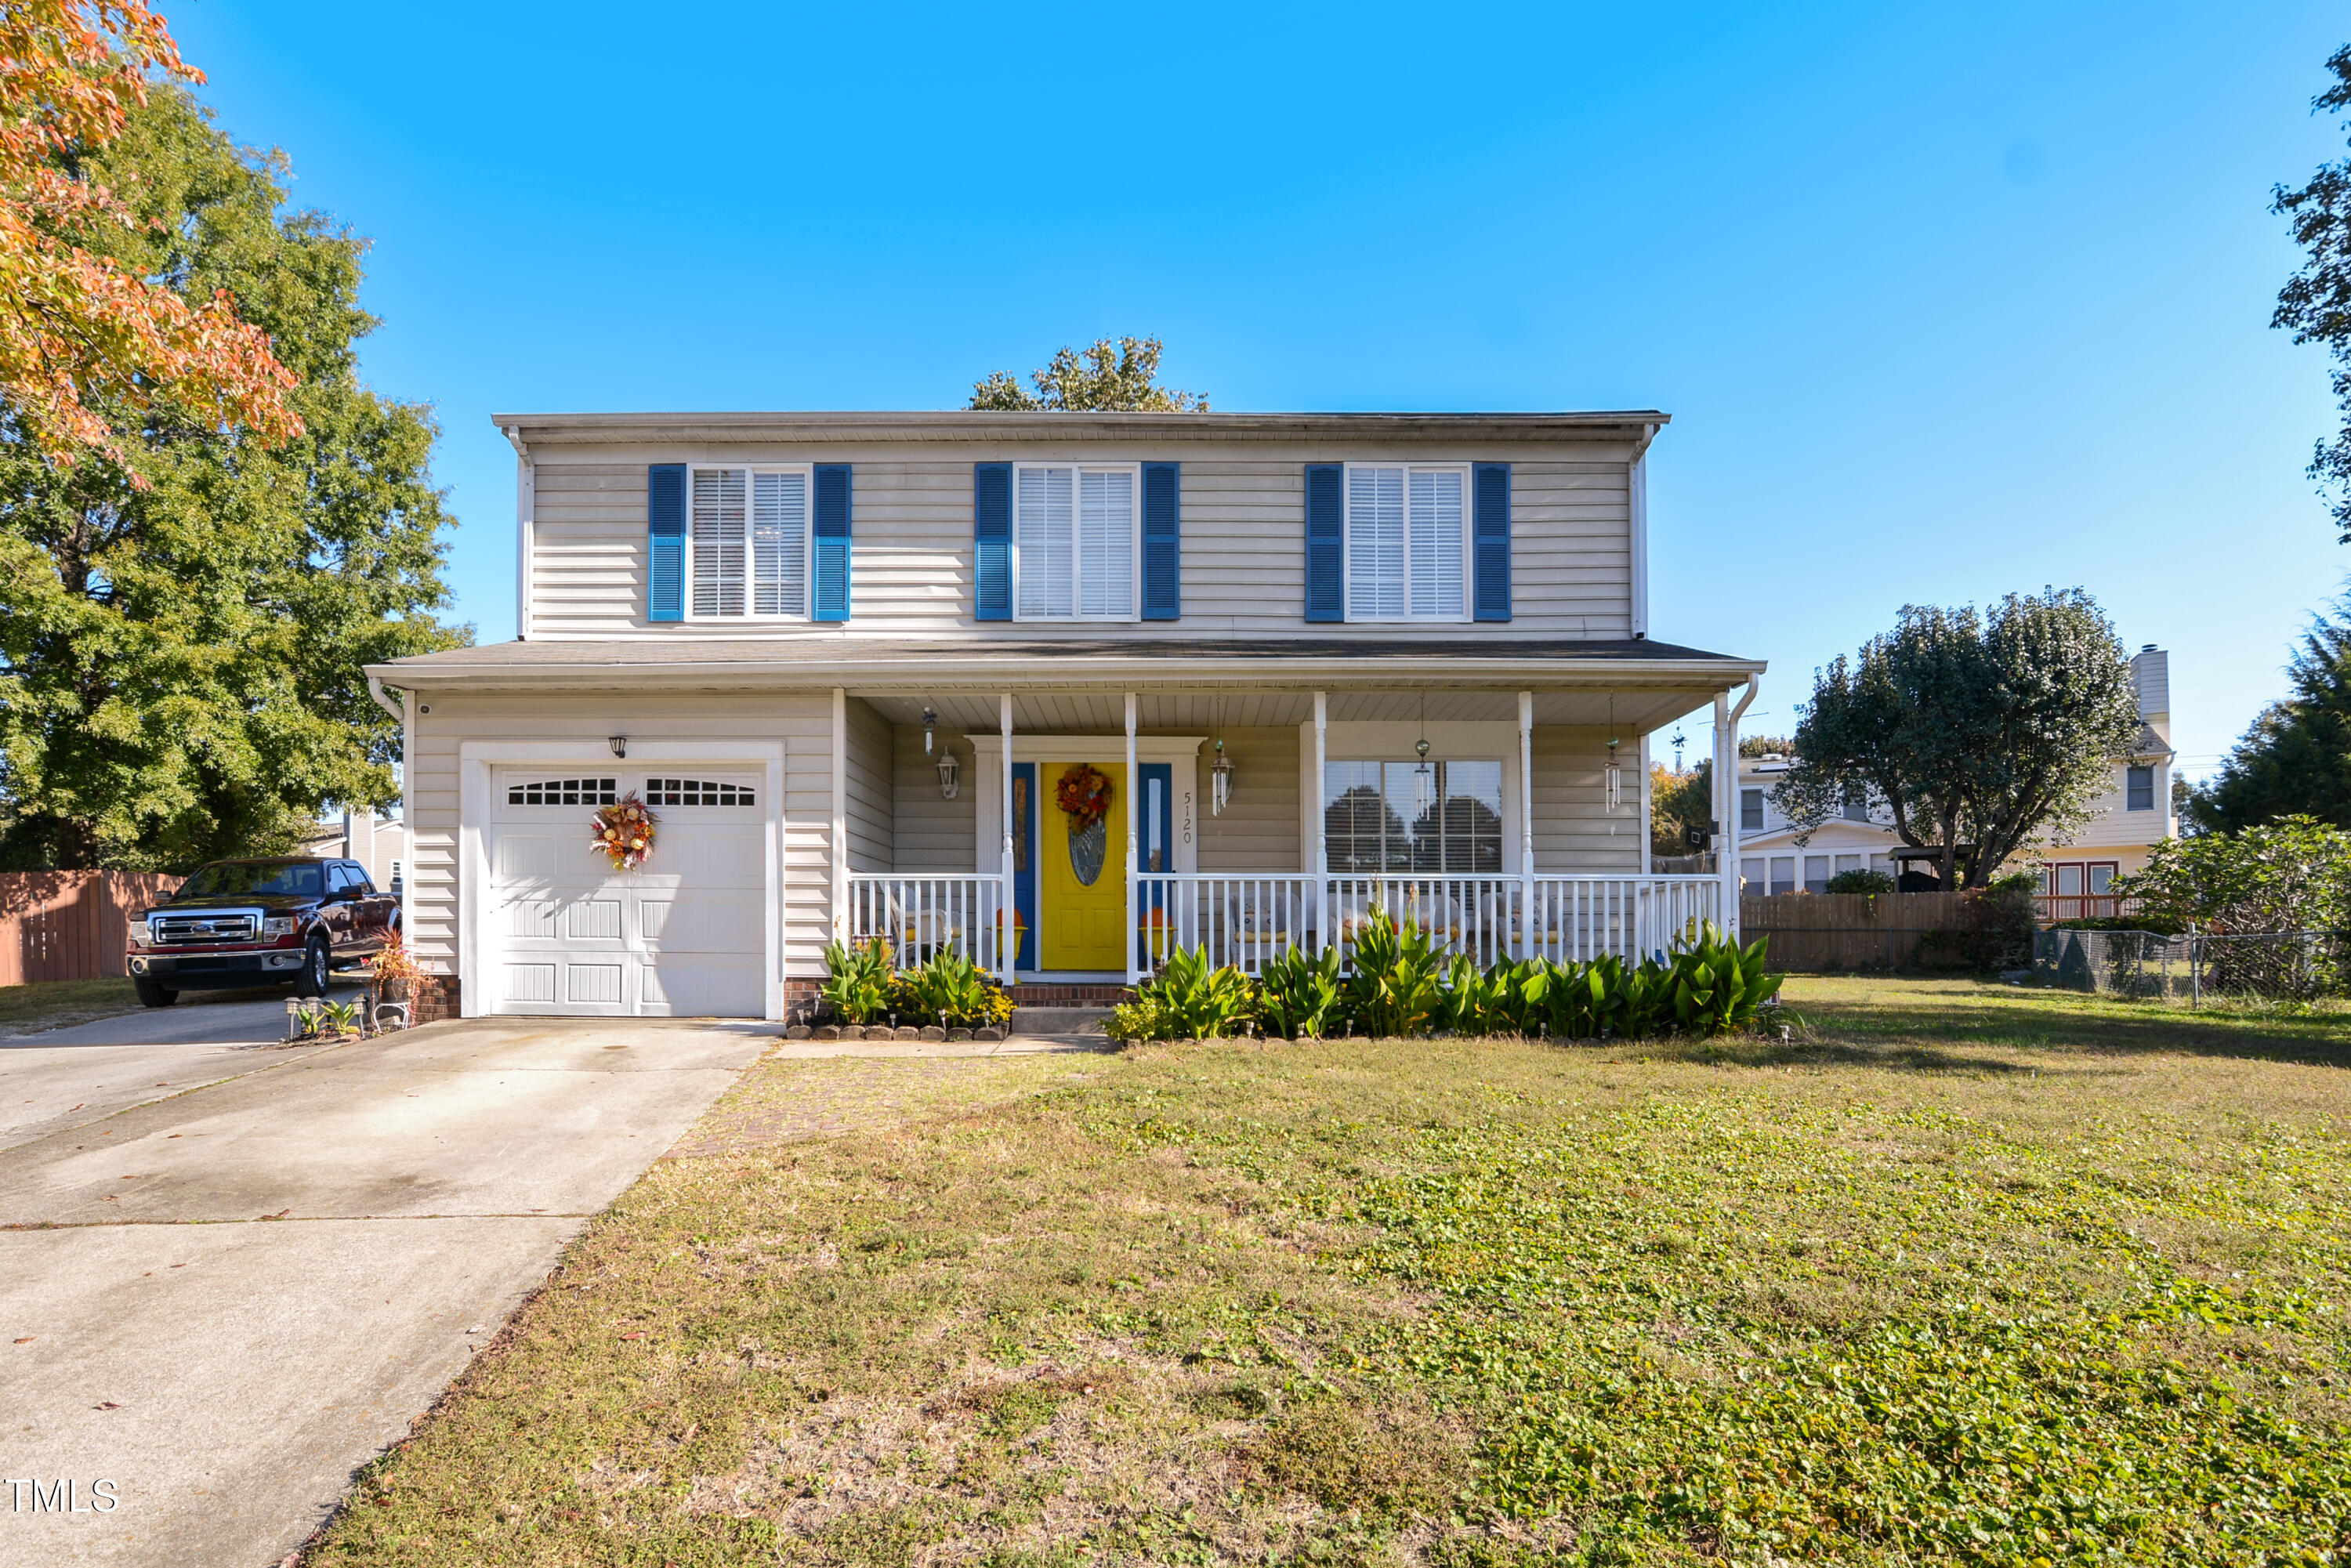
[1871, 882]
[857, 980]
[1716, 986]
[1478, 1001]
[1187, 999]
[948, 988]
[1297, 996]
[1396, 989]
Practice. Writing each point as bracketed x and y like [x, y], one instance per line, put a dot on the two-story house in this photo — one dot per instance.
[2129, 819]
[1321, 661]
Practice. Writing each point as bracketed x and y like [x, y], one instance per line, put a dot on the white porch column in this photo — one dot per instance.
[1133, 972]
[1526, 824]
[1321, 869]
[1007, 940]
[839, 815]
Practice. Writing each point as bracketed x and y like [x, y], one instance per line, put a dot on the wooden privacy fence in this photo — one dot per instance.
[1852, 930]
[70, 925]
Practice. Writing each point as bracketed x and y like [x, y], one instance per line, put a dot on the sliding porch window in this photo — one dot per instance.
[749, 542]
[1073, 543]
[1407, 543]
[1414, 818]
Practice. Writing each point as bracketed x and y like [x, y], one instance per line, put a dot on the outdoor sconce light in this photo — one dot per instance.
[1220, 781]
[948, 770]
[620, 744]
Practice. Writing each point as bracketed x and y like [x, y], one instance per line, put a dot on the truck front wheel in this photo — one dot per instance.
[312, 980]
[152, 995]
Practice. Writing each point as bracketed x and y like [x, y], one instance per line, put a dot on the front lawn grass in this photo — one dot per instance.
[49, 1004]
[1961, 1274]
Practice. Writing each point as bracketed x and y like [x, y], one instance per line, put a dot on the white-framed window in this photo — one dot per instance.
[2139, 788]
[748, 542]
[1424, 818]
[1076, 540]
[1407, 546]
[1750, 811]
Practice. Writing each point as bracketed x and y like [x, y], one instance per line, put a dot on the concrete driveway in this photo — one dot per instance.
[222, 1299]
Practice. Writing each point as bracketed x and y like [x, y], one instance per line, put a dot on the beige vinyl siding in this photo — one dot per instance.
[1575, 834]
[1260, 831]
[871, 827]
[803, 722]
[934, 832]
[1243, 539]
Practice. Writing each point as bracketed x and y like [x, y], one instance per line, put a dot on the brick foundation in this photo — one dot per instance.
[434, 998]
[1031, 994]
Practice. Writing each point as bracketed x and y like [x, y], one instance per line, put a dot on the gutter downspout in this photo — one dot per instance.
[407, 815]
[1727, 855]
[525, 520]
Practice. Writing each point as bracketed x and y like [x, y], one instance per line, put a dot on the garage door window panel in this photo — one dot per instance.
[698, 792]
[564, 793]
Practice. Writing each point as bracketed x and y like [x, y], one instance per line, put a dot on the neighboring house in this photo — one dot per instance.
[376, 842]
[1324, 661]
[2131, 817]
[1769, 853]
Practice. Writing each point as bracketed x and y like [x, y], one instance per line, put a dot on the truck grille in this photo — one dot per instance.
[178, 930]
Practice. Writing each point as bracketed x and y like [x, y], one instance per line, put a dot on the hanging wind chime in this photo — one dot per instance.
[1220, 772]
[1612, 777]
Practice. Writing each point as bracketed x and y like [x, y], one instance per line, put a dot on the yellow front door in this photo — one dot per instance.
[1084, 920]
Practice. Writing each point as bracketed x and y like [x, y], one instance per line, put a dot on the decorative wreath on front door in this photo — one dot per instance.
[1083, 794]
[624, 833]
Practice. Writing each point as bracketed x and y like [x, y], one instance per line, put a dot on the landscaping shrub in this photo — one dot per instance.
[948, 988]
[1400, 983]
[1297, 996]
[863, 984]
[1394, 988]
[1187, 999]
[857, 980]
[1871, 882]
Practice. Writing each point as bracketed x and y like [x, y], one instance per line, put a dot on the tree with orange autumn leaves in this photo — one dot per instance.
[209, 524]
[73, 321]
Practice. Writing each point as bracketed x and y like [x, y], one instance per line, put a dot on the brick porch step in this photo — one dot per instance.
[1031, 994]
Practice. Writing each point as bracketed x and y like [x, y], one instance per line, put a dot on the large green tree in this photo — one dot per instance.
[2316, 304]
[1121, 377]
[180, 660]
[1992, 729]
[2295, 759]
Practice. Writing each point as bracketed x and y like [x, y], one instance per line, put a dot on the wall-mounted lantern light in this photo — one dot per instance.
[947, 770]
[620, 744]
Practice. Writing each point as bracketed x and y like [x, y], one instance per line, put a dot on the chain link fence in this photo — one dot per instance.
[2196, 968]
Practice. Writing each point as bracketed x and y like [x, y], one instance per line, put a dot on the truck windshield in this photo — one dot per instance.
[255, 879]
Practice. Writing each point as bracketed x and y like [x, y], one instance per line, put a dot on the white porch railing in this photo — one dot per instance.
[1242, 919]
[1246, 920]
[918, 914]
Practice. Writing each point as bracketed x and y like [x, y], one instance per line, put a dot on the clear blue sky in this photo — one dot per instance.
[1944, 304]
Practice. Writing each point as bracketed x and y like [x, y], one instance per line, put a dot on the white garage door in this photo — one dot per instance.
[685, 933]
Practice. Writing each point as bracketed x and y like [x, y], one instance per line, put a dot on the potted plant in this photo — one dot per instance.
[396, 972]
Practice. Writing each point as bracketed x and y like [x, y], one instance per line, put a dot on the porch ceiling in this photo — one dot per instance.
[1201, 711]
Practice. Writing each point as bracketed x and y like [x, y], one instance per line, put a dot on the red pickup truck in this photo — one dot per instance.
[259, 922]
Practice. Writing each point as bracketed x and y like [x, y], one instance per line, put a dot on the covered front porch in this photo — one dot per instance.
[1507, 820]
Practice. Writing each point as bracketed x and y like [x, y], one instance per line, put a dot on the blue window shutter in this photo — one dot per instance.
[665, 541]
[831, 542]
[1492, 537]
[991, 541]
[1326, 543]
[1162, 541]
